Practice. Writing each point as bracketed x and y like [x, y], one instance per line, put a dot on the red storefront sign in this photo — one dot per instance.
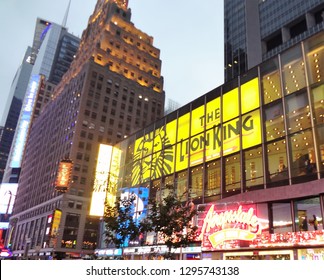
[220, 226]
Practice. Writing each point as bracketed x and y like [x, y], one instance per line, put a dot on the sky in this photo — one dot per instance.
[189, 34]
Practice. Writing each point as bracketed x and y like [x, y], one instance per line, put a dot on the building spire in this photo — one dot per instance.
[66, 15]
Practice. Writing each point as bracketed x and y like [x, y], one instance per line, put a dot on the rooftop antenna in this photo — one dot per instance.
[66, 15]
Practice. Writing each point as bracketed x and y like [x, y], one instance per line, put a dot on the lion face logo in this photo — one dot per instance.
[153, 157]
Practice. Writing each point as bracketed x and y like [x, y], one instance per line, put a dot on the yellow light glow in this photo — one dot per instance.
[197, 122]
[250, 96]
[230, 107]
[101, 180]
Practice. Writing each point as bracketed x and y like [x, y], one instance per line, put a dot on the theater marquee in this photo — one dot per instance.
[218, 227]
[224, 125]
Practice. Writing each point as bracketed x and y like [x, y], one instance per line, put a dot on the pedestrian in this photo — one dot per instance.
[314, 222]
[305, 224]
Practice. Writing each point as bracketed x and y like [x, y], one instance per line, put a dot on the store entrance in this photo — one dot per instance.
[266, 255]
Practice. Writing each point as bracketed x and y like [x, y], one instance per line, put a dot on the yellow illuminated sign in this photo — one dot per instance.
[251, 132]
[215, 129]
[183, 127]
[230, 105]
[113, 178]
[213, 113]
[101, 180]
[197, 123]
[56, 222]
[250, 96]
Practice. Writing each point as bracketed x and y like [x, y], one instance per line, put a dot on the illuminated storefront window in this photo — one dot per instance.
[317, 97]
[298, 112]
[277, 163]
[213, 179]
[274, 122]
[232, 174]
[182, 185]
[282, 221]
[320, 142]
[196, 182]
[305, 210]
[314, 49]
[293, 70]
[270, 81]
[253, 168]
[302, 154]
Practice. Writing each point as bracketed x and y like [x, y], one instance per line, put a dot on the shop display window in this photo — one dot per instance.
[308, 214]
[253, 165]
[282, 221]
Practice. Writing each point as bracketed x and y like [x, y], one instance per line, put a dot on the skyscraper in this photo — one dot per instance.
[44, 64]
[256, 30]
[112, 88]
[14, 103]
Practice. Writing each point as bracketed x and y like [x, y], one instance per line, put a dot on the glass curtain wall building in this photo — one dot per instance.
[257, 140]
[256, 30]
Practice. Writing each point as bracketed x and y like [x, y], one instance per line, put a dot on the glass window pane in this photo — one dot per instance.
[232, 174]
[314, 49]
[302, 154]
[317, 97]
[293, 70]
[213, 179]
[298, 112]
[182, 185]
[320, 141]
[274, 124]
[253, 168]
[282, 221]
[277, 163]
[270, 83]
[196, 182]
[308, 214]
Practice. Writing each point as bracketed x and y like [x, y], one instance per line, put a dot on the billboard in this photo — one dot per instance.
[222, 126]
[25, 121]
[106, 179]
[221, 228]
[63, 178]
[8, 193]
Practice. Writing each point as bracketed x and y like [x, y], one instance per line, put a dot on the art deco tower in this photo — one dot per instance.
[112, 88]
